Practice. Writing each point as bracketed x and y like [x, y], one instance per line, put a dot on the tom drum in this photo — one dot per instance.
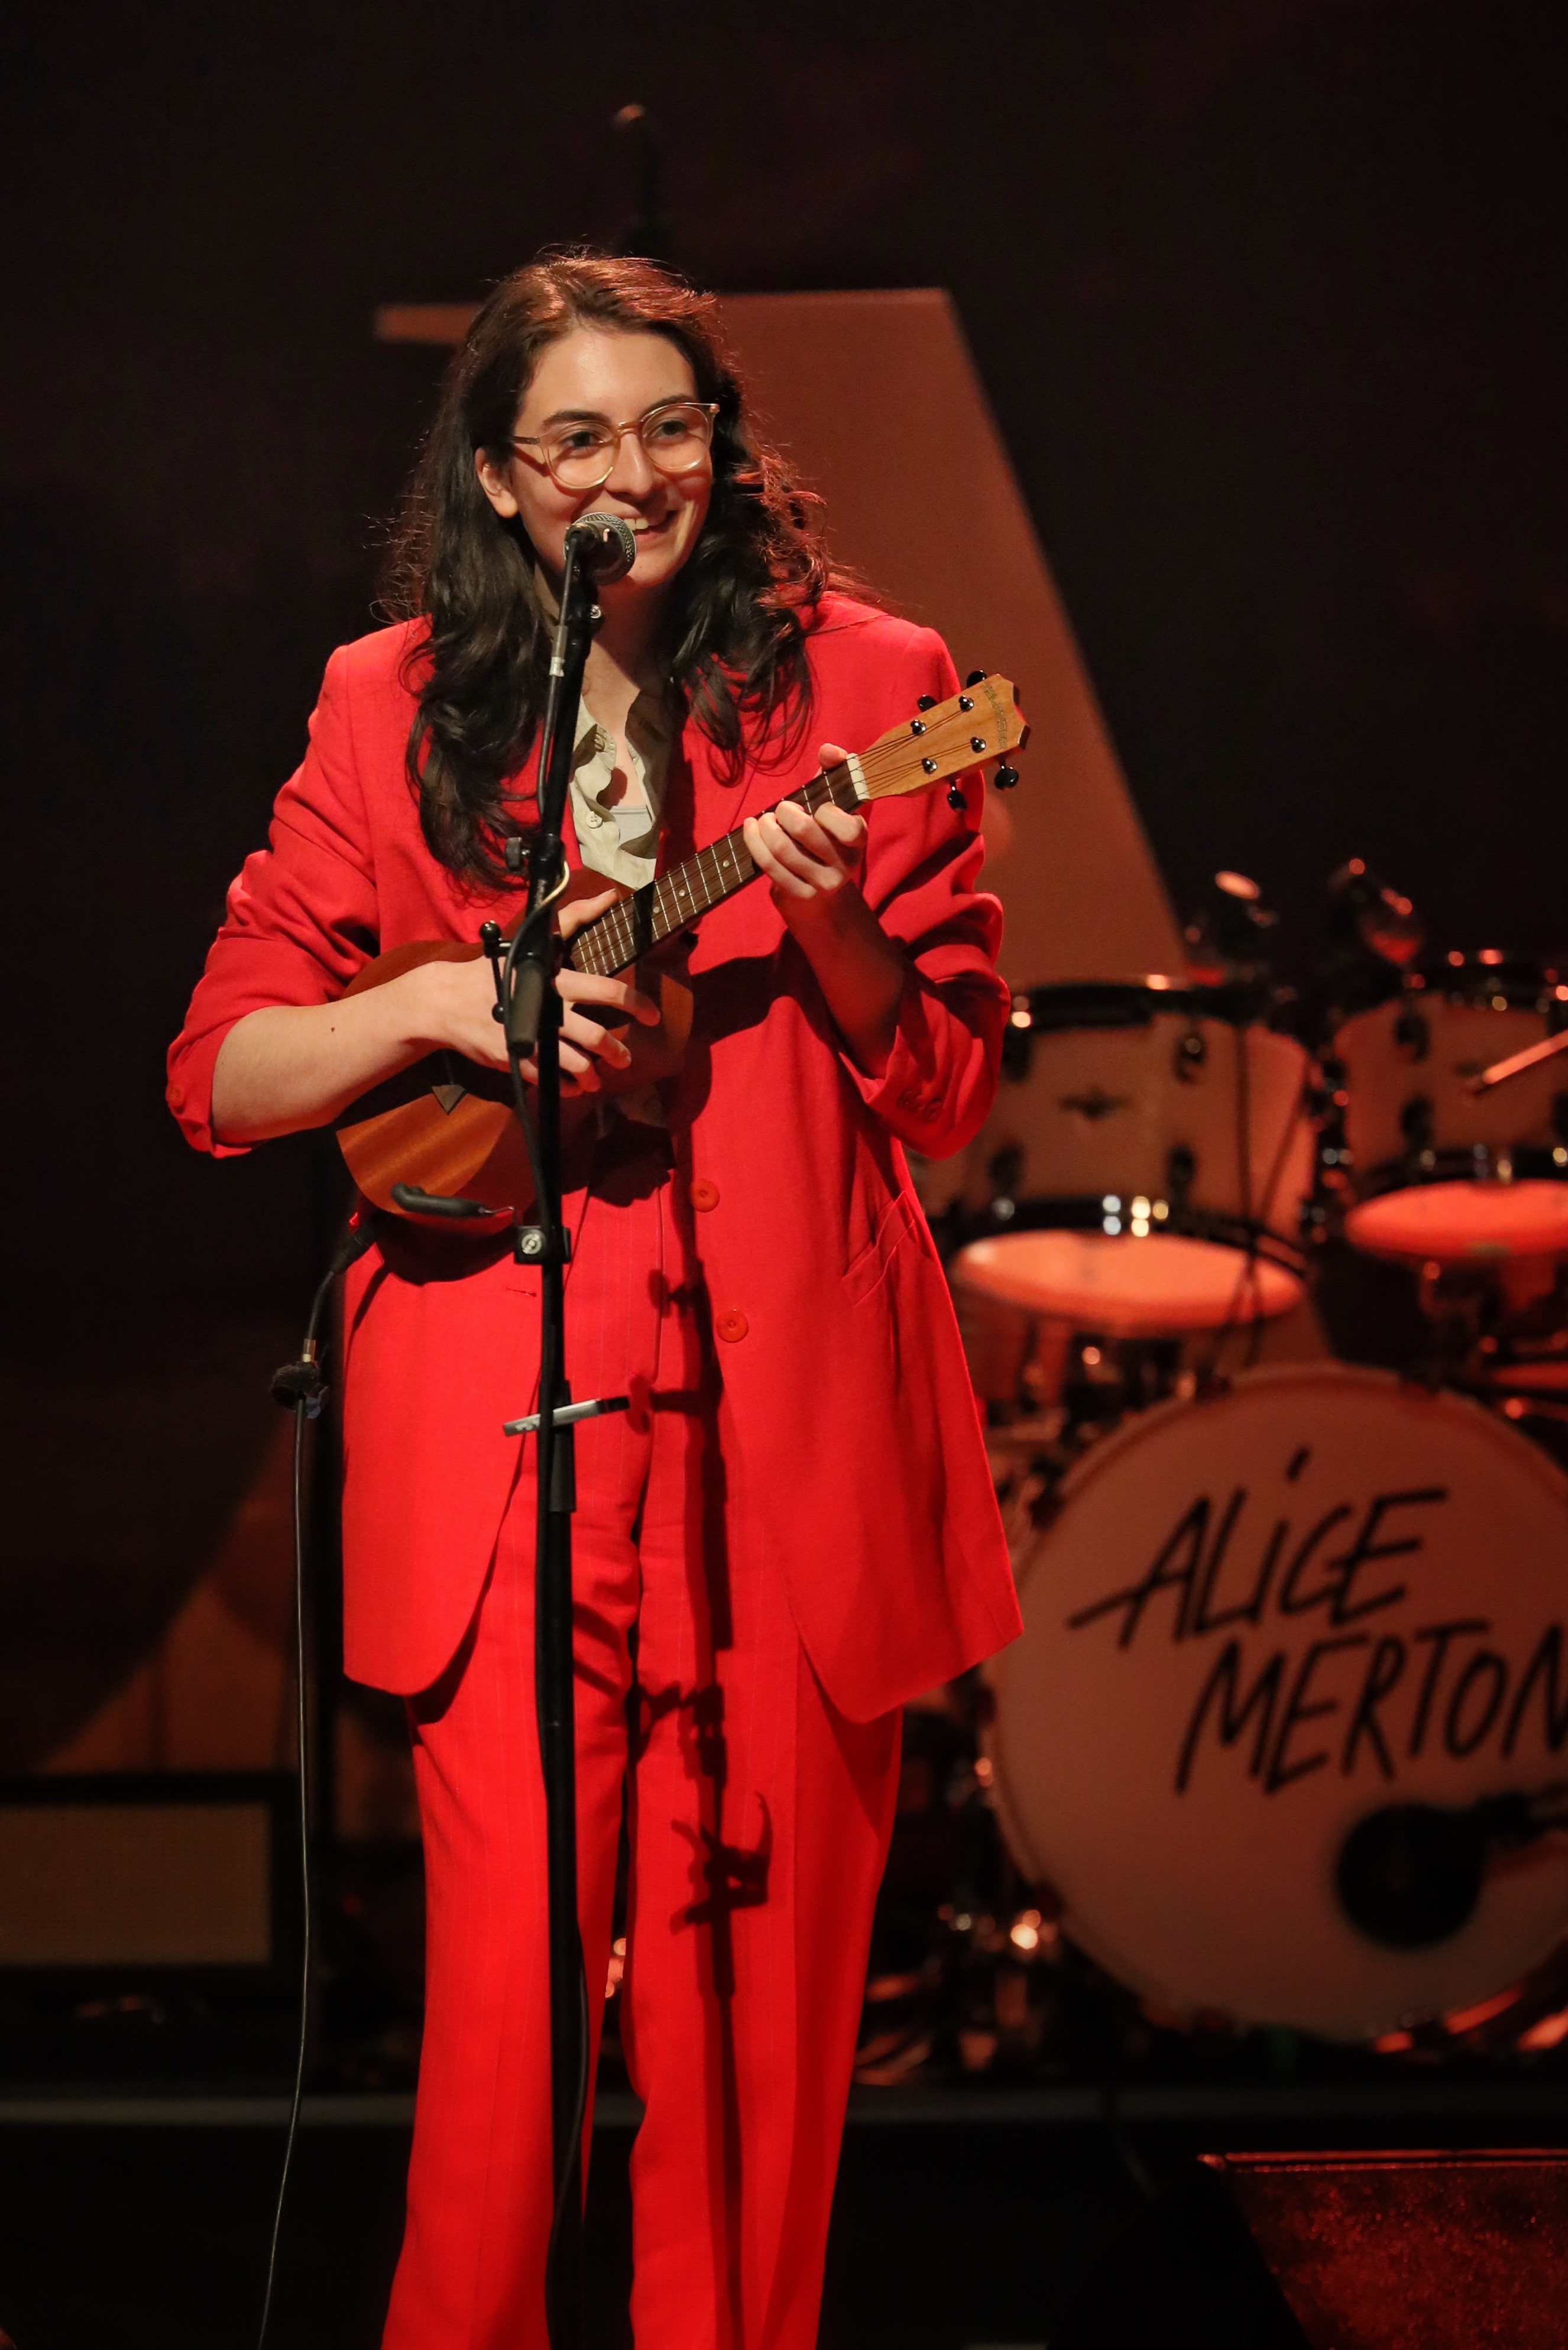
[1144, 1170]
[1433, 1170]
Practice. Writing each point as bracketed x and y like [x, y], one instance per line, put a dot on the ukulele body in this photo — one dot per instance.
[446, 1124]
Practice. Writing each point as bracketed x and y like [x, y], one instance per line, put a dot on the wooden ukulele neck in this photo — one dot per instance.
[661, 907]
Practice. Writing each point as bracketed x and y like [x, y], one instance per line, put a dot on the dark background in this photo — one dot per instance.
[1268, 294]
[1268, 297]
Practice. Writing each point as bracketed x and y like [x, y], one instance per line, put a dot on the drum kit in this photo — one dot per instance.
[1283, 1738]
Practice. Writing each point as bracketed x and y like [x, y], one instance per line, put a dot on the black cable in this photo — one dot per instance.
[302, 1386]
[1256, 1226]
[1126, 2152]
[301, 1414]
[574, 2142]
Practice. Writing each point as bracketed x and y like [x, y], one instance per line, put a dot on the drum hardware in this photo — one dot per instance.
[1231, 936]
[1516, 1064]
[1495, 1307]
[1533, 1358]
[1497, 1331]
[1415, 1125]
[1413, 1034]
[1524, 2022]
[1006, 1167]
[1383, 920]
[1104, 1382]
[1373, 935]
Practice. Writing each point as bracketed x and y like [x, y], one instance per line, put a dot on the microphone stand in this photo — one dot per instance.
[531, 1009]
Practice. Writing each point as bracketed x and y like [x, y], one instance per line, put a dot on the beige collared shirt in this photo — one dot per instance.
[618, 841]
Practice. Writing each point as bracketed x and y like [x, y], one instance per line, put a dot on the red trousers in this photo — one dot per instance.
[758, 1821]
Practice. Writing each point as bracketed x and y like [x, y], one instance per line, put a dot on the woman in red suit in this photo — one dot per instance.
[793, 1529]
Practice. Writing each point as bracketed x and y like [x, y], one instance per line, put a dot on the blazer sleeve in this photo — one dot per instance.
[922, 858]
[301, 917]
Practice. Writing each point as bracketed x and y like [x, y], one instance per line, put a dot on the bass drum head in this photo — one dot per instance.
[1254, 1622]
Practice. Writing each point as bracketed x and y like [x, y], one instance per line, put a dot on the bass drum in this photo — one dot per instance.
[1284, 1648]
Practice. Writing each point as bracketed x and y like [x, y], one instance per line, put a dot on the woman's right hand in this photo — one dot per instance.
[286, 1067]
[456, 1008]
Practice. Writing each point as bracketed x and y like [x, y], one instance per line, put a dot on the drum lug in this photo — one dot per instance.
[1004, 1170]
[1413, 1034]
[1180, 1170]
[1017, 1051]
[1416, 1123]
[1191, 1052]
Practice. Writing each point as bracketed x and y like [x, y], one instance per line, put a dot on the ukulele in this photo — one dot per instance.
[438, 1142]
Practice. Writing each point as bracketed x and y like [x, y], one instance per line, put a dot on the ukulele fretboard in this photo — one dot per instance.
[661, 907]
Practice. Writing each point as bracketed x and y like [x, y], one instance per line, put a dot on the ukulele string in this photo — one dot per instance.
[611, 943]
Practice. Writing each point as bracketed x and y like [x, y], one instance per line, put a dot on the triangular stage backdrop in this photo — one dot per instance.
[876, 400]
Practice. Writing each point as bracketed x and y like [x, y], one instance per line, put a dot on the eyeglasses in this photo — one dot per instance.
[676, 435]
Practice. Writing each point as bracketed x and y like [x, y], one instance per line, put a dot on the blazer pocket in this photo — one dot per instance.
[864, 1270]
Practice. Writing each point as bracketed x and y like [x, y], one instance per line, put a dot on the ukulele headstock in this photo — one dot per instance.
[983, 722]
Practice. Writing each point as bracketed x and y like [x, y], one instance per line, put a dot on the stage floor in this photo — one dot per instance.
[962, 2217]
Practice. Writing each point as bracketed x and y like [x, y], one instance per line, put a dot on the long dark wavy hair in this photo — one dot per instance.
[737, 648]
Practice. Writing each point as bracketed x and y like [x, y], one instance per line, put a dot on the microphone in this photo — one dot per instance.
[599, 547]
[1410, 1874]
[605, 547]
[1366, 912]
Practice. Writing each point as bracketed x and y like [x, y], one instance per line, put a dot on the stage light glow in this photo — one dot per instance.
[1549, 2032]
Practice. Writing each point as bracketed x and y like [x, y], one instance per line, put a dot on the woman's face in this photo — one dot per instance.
[602, 375]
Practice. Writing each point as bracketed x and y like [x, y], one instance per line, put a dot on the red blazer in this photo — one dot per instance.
[860, 1477]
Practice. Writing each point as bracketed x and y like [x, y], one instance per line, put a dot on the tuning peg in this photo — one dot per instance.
[955, 797]
[1005, 779]
[975, 677]
[926, 702]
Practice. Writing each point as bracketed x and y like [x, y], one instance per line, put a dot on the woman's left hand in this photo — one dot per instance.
[814, 863]
[808, 858]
